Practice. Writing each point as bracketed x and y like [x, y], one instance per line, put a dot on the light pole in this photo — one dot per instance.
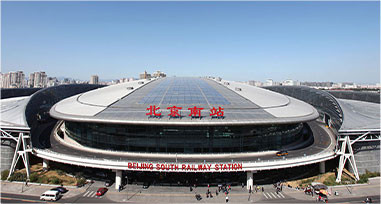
[126, 188]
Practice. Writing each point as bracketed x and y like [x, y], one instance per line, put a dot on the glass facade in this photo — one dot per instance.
[185, 139]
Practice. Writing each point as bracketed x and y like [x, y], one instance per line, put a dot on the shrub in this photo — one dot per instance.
[81, 181]
[79, 175]
[33, 177]
[372, 174]
[306, 181]
[363, 178]
[54, 180]
[18, 177]
[330, 181]
[43, 179]
[4, 174]
[60, 172]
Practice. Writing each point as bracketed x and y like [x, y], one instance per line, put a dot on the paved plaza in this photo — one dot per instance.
[175, 194]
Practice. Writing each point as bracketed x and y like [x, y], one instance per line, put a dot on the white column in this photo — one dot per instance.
[322, 167]
[249, 182]
[45, 164]
[118, 179]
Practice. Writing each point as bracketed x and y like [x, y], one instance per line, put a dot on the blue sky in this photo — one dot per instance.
[305, 41]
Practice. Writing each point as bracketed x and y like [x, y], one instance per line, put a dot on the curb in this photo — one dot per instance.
[38, 184]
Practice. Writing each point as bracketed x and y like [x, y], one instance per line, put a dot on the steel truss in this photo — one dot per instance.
[346, 152]
[23, 140]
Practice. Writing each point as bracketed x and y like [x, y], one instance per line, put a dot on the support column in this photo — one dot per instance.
[322, 167]
[45, 164]
[118, 179]
[249, 180]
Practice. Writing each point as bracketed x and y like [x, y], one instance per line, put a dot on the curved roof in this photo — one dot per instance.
[360, 115]
[127, 103]
[13, 112]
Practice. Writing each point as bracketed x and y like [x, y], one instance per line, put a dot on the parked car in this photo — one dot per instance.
[146, 185]
[50, 195]
[60, 189]
[108, 183]
[101, 191]
[282, 153]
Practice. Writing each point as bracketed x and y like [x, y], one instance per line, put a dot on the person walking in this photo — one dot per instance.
[227, 199]
[263, 190]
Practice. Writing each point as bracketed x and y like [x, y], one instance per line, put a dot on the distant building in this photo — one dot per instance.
[94, 79]
[13, 80]
[255, 83]
[159, 74]
[38, 80]
[290, 82]
[269, 82]
[145, 75]
[318, 84]
[52, 81]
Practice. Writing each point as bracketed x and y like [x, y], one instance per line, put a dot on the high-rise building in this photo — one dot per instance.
[38, 80]
[13, 80]
[5, 80]
[94, 79]
[31, 80]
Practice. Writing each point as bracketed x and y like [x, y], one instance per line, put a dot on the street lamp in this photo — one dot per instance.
[126, 188]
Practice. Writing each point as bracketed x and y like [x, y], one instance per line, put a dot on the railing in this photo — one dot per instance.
[247, 165]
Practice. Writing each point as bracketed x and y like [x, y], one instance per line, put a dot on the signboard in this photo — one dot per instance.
[185, 167]
[194, 112]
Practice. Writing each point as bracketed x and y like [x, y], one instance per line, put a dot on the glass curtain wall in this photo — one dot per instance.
[184, 139]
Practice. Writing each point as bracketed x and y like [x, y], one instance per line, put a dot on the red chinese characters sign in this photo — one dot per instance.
[152, 111]
[194, 112]
[174, 111]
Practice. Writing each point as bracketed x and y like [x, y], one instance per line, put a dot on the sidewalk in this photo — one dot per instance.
[175, 194]
[181, 194]
[345, 191]
[34, 189]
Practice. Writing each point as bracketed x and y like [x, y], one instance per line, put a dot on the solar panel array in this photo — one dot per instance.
[179, 90]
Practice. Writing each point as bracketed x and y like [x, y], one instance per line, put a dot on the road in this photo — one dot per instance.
[89, 198]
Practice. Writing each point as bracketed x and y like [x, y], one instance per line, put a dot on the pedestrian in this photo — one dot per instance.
[190, 188]
[243, 185]
[263, 189]
[216, 192]
[119, 188]
[227, 199]
[208, 186]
